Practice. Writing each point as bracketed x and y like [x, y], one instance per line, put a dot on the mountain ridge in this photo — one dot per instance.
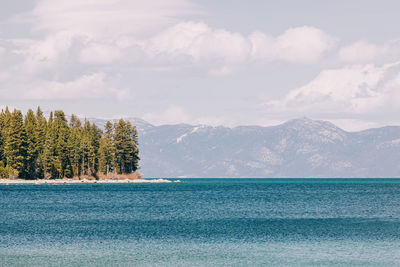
[300, 147]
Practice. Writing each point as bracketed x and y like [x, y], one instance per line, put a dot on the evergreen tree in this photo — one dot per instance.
[74, 144]
[15, 145]
[135, 148]
[36, 148]
[31, 146]
[95, 136]
[49, 149]
[106, 150]
[60, 135]
[40, 135]
[125, 144]
[2, 141]
[85, 148]
[4, 125]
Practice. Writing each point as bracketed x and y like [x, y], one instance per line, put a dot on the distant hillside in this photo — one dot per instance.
[297, 148]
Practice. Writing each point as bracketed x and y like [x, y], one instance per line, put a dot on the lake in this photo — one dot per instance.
[203, 222]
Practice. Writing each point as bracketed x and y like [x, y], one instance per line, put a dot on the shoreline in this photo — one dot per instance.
[83, 181]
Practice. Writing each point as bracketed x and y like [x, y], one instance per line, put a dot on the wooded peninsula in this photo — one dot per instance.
[36, 147]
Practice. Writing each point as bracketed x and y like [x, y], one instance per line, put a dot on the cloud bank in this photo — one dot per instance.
[88, 49]
[342, 94]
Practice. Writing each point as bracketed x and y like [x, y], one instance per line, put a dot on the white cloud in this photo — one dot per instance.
[86, 87]
[177, 115]
[99, 33]
[360, 51]
[195, 44]
[263, 46]
[173, 115]
[100, 54]
[201, 43]
[341, 94]
[77, 38]
[4, 76]
[108, 18]
[296, 45]
[304, 44]
[366, 52]
[198, 43]
[46, 54]
[153, 35]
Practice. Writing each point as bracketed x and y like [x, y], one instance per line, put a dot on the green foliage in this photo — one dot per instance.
[126, 147]
[89, 146]
[34, 147]
[40, 136]
[31, 146]
[74, 147]
[5, 117]
[7, 172]
[15, 148]
[2, 126]
[107, 151]
[60, 134]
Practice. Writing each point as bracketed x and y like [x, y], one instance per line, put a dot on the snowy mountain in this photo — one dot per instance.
[297, 148]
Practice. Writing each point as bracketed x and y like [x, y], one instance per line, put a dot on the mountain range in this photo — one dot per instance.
[298, 148]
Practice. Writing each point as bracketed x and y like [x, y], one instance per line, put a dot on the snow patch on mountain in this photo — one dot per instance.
[297, 148]
[195, 129]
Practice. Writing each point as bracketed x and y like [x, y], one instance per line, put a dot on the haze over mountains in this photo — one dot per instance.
[297, 148]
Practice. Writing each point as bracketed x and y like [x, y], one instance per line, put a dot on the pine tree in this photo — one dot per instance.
[49, 149]
[38, 148]
[16, 145]
[95, 136]
[120, 139]
[74, 144]
[61, 133]
[31, 147]
[90, 143]
[106, 150]
[40, 135]
[5, 123]
[2, 141]
[126, 151]
[85, 147]
[135, 147]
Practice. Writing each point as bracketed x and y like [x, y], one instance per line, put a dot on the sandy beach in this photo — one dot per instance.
[72, 181]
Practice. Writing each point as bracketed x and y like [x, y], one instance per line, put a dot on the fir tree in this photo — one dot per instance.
[135, 147]
[35, 148]
[74, 144]
[31, 147]
[95, 136]
[106, 151]
[125, 144]
[85, 148]
[15, 145]
[2, 159]
[5, 123]
[60, 135]
[49, 150]
[40, 135]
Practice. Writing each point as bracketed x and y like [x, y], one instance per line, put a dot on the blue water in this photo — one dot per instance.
[203, 222]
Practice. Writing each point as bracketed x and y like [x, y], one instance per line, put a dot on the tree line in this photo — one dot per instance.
[35, 147]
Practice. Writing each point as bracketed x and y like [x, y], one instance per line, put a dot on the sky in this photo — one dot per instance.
[225, 62]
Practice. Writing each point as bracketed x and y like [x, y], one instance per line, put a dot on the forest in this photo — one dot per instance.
[35, 146]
